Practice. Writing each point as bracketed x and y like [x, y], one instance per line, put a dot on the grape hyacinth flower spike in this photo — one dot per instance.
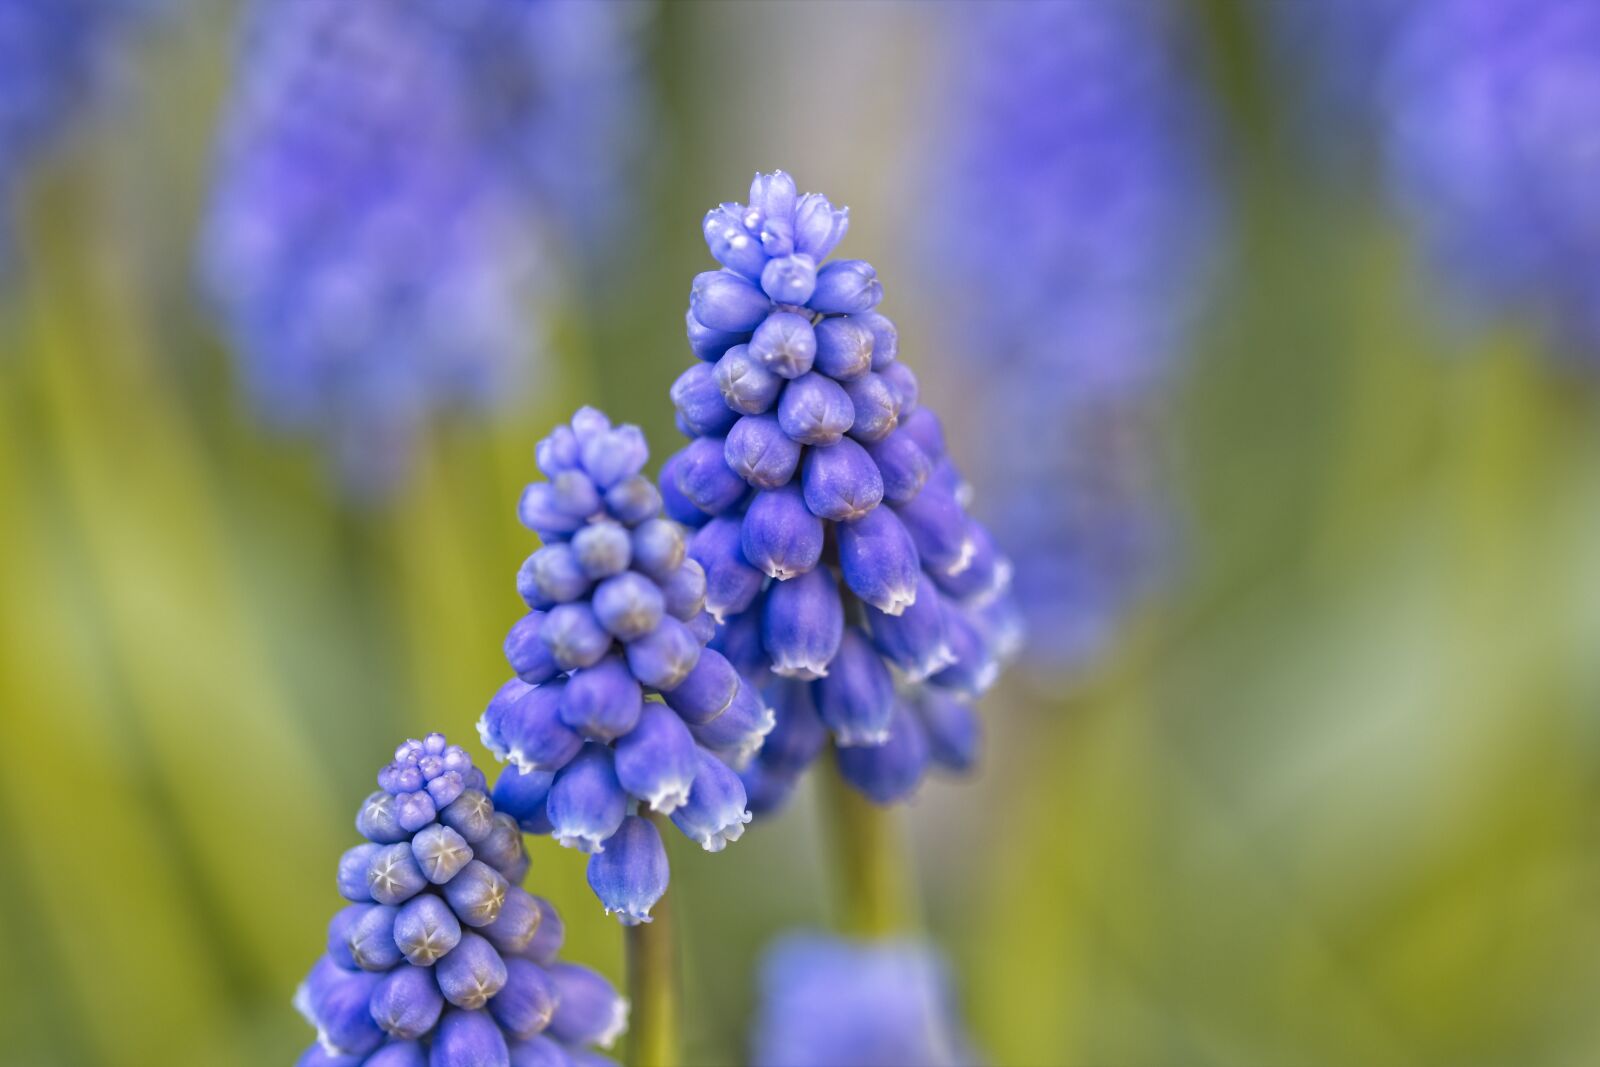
[841, 565]
[1490, 113]
[441, 958]
[1074, 246]
[617, 708]
[54, 55]
[393, 192]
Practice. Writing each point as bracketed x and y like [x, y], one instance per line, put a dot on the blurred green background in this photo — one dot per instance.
[1332, 800]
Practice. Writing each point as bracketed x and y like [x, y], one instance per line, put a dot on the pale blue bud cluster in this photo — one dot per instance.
[441, 959]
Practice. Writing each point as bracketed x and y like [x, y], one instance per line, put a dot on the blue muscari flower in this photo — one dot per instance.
[1490, 112]
[617, 708]
[1071, 243]
[1481, 110]
[838, 556]
[441, 958]
[393, 181]
[827, 1000]
[52, 54]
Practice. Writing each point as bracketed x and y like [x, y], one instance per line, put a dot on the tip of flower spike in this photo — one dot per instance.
[416, 763]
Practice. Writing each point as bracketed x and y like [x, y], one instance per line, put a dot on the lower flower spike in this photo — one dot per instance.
[440, 959]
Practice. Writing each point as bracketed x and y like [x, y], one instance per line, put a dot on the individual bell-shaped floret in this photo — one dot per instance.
[844, 349]
[723, 300]
[587, 803]
[785, 344]
[840, 481]
[815, 410]
[779, 535]
[749, 385]
[337, 1002]
[802, 623]
[472, 972]
[879, 561]
[951, 726]
[737, 734]
[846, 286]
[603, 702]
[704, 477]
[716, 812]
[856, 697]
[916, 639]
[889, 771]
[758, 451]
[468, 1037]
[656, 761]
[631, 874]
[407, 1002]
[732, 584]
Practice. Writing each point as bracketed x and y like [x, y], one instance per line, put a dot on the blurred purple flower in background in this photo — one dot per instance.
[395, 183]
[1491, 113]
[441, 957]
[828, 1001]
[842, 567]
[1486, 117]
[1329, 56]
[1074, 214]
[52, 53]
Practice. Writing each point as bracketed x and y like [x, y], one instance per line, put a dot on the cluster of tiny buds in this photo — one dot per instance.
[441, 958]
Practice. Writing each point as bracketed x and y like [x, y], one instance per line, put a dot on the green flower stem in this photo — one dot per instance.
[653, 983]
[871, 884]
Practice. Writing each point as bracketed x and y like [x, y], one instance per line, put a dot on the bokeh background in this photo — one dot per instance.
[1327, 793]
